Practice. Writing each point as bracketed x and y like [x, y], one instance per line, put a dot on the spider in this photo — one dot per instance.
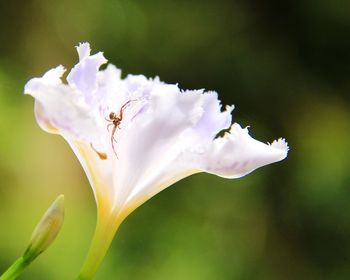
[115, 120]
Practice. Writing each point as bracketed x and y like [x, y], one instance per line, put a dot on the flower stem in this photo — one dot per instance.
[106, 228]
[15, 269]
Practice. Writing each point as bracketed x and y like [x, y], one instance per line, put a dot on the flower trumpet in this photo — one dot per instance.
[135, 137]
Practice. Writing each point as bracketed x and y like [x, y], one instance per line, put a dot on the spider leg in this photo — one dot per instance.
[121, 111]
[114, 140]
[108, 126]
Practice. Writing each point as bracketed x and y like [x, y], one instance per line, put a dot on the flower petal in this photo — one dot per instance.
[153, 137]
[232, 156]
[83, 76]
[99, 173]
[59, 109]
[237, 154]
[153, 143]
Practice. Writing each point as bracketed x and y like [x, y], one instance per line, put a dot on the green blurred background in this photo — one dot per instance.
[286, 67]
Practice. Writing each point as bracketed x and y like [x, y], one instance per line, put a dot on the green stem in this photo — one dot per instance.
[105, 230]
[15, 269]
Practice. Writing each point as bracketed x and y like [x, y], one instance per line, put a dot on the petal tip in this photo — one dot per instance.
[55, 73]
[83, 50]
[230, 108]
[51, 77]
[282, 145]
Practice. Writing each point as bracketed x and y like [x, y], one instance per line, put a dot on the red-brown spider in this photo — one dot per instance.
[115, 121]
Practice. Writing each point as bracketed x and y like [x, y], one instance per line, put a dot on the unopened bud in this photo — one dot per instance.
[46, 230]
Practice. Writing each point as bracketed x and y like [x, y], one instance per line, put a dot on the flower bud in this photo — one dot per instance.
[46, 230]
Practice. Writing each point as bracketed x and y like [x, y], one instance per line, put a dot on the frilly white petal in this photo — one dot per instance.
[59, 110]
[237, 154]
[174, 123]
[153, 138]
[83, 76]
[231, 156]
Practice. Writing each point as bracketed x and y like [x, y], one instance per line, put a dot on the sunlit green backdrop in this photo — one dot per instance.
[286, 67]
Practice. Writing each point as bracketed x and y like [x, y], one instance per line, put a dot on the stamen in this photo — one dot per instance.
[102, 156]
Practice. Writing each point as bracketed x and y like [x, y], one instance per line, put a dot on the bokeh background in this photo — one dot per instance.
[286, 67]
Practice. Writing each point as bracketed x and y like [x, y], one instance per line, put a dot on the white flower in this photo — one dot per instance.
[165, 134]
